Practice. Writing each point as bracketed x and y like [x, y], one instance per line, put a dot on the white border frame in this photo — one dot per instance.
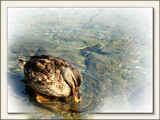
[5, 4]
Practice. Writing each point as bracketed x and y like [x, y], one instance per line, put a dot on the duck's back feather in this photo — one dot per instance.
[44, 74]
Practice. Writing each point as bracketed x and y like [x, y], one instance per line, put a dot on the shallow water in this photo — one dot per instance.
[115, 58]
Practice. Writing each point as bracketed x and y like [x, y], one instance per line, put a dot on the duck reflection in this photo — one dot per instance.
[65, 107]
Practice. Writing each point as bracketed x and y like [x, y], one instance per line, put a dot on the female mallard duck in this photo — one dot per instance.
[51, 76]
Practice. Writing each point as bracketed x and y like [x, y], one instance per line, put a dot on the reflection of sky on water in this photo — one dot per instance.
[118, 81]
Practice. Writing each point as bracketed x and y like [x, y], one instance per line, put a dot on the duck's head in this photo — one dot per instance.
[73, 78]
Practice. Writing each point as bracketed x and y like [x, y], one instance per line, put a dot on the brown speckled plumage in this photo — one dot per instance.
[50, 75]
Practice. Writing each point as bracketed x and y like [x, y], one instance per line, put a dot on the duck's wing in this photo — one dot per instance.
[39, 66]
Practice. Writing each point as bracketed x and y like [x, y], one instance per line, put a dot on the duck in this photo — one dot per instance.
[51, 77]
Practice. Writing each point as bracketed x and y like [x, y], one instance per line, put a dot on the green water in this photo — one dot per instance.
[113, 72]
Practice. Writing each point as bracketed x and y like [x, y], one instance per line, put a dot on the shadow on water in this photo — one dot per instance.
[14, 80]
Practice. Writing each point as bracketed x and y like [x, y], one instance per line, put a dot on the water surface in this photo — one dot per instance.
[112, 47]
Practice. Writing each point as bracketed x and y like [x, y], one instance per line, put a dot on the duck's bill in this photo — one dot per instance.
[76, 95]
